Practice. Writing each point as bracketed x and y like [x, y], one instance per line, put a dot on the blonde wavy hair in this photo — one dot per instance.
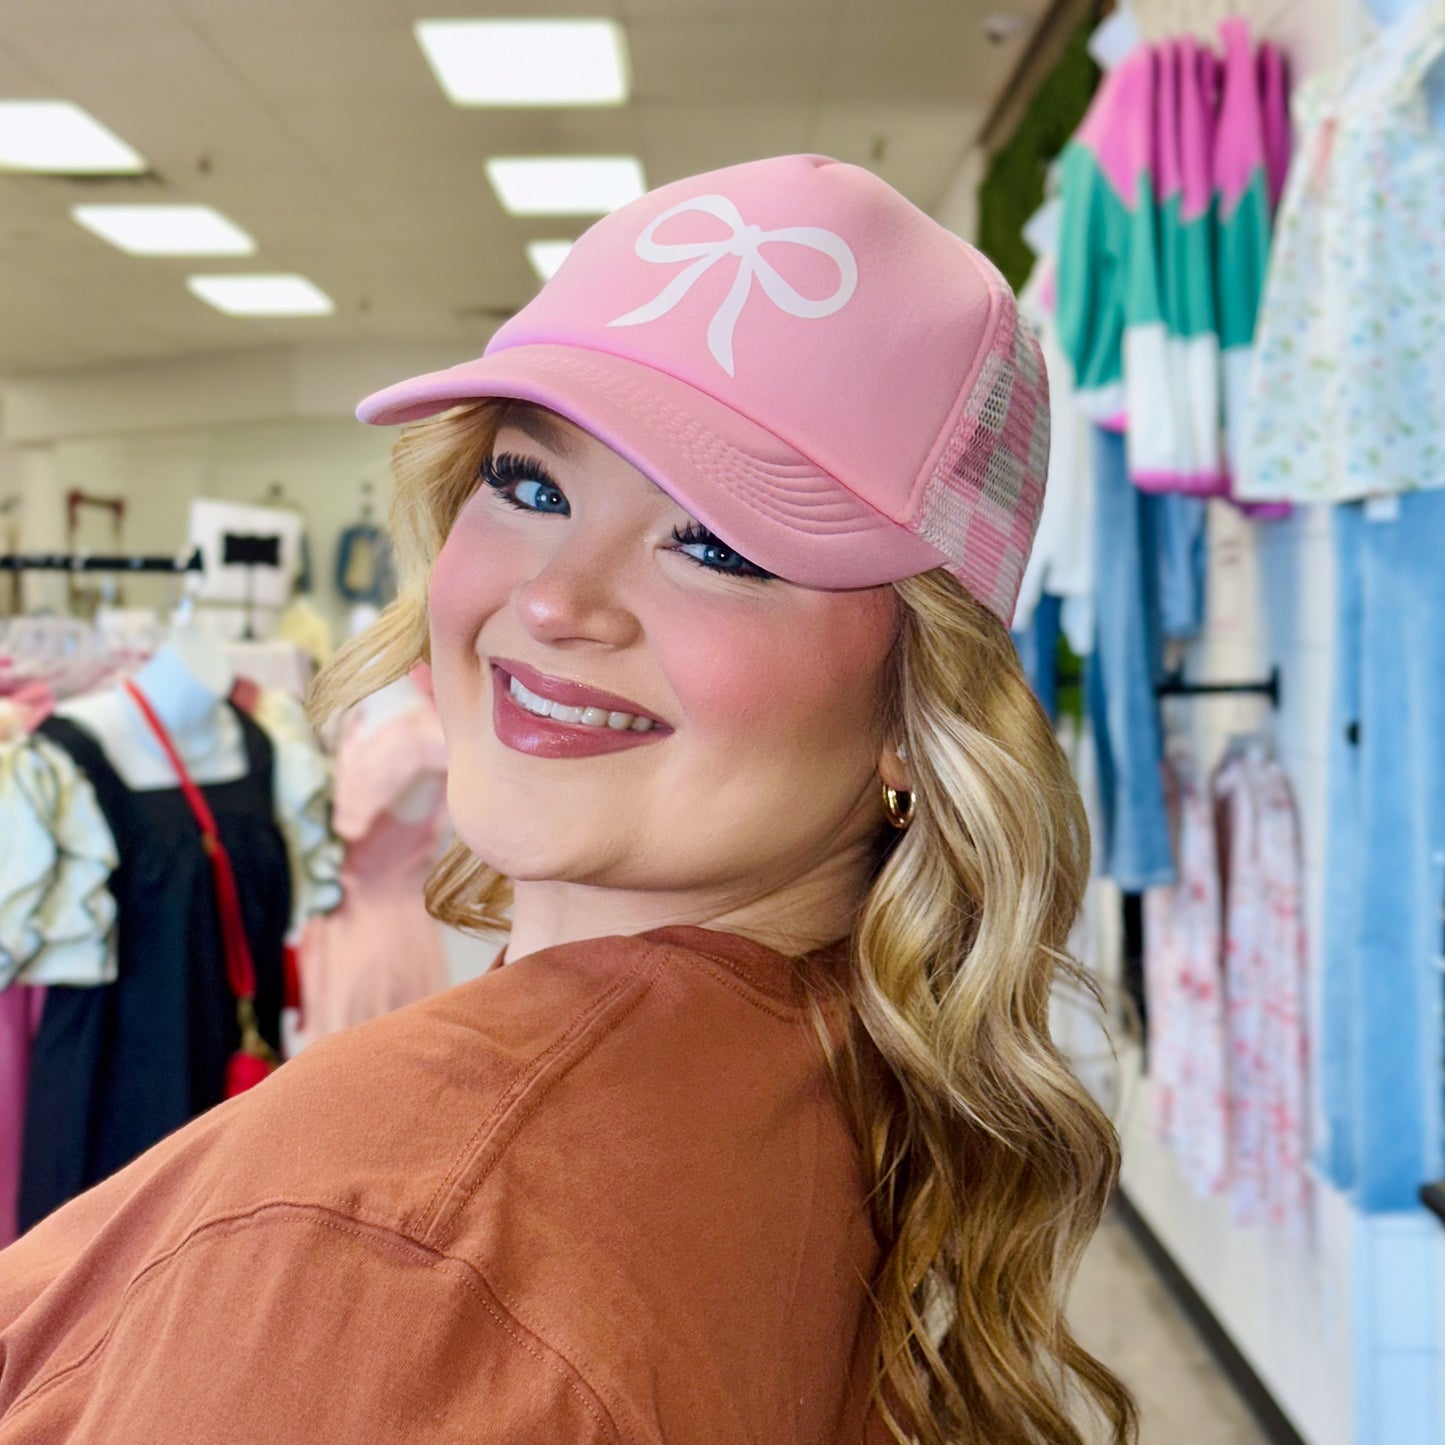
[989, 1165]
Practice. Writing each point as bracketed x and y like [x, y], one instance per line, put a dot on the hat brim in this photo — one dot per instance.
[750, 488]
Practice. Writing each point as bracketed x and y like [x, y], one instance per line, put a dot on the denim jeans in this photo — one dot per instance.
[1179, 532]
[1038, 649]
[1135, 570]
[1380, 1045]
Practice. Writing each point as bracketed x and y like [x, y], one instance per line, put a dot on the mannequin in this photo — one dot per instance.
[186, 682]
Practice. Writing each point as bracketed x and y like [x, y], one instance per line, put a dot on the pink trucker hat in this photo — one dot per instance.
[828, 380]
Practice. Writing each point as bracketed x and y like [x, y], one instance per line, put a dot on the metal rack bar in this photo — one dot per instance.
[84, 562]
[1174, 685]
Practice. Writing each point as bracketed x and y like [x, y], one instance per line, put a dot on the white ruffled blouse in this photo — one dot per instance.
[57, 915]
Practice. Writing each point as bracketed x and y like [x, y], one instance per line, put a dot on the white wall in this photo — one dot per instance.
[162, 434]
[319, 463]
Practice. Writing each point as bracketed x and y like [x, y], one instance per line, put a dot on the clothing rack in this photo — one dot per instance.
[87, 562]
[1174, 685]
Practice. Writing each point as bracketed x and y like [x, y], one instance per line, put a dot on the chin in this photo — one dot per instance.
[515, 852]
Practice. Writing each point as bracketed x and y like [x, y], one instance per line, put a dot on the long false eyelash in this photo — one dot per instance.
[506, 469]
[695, 532]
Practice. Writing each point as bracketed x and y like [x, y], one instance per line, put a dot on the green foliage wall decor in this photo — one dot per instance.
[1013, 186]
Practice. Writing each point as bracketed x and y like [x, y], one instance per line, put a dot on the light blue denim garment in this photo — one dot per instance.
[1380, 1065]
[1038, 649]
[1179, 522]
[1132, 845]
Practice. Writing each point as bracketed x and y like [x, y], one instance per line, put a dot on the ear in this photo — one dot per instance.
[893, 767]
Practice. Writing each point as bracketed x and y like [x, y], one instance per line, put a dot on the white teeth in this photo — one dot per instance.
[592, 717]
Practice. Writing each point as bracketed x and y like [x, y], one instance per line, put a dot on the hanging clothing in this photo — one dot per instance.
[20, 1010]
[116, 1068]
[1265, 993]
[1184, 983]
[1105, 181]
[1150, 581]
[1171, 330]
[57, 915]
[365, 571]
[1062, 560]
[1251, 152]
[380, 949]
[1037, 645]
[1166, 224]
[1345, 399]
[302, 625]
[303, 805]
[1381, 988]
[603, 1193]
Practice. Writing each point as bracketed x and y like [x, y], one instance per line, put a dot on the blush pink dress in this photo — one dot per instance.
[380, 949]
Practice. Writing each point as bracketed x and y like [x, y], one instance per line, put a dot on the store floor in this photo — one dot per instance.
[1122, 1313]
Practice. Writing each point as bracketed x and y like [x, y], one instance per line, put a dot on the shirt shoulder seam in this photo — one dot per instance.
[528, 1094]
[359, 1226]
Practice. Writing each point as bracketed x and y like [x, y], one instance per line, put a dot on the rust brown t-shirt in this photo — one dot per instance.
[602, 1193]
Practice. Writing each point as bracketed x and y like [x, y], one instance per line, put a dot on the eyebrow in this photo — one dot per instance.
[538, 424]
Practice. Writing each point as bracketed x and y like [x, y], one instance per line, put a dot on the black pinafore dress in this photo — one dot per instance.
[114, 1069]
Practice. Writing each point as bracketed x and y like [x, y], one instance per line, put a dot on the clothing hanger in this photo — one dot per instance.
[1255, 746]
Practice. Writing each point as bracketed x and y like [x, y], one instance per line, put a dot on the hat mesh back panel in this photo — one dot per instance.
[982, 502]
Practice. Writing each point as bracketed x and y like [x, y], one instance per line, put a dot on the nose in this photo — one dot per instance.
[575, 595]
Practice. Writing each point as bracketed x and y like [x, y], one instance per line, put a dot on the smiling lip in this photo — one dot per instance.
[545, 737]
[570, 694]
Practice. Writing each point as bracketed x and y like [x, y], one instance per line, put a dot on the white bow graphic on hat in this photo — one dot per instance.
[746, 244]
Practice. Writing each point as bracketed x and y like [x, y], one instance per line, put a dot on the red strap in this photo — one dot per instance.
[239, 969]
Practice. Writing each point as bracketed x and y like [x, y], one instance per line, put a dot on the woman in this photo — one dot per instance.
[756, 1132]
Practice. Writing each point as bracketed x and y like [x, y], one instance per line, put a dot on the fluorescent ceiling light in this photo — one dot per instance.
[565, 185]
[261, 295]
[165, 230]
[57, 137]
[547, 256]
[527, 62]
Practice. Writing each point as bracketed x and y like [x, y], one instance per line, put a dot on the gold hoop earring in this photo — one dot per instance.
[900, 817]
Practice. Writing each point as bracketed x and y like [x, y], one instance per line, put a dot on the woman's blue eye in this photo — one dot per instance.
[524, 484]
[540, 496]
[714, 554]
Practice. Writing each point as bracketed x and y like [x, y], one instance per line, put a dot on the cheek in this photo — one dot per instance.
[453, 602]
[812, 677]
[469, 582]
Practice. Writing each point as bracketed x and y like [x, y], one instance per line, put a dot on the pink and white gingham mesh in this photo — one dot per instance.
[982, 502]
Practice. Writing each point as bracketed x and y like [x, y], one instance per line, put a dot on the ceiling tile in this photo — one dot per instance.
[485, 9]
[373, 64]
[915, 148]
[682, 138]
[215, 15]
[778, 59]
[732, 10]
[918, 51]
[317, 126]
[80, 15]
